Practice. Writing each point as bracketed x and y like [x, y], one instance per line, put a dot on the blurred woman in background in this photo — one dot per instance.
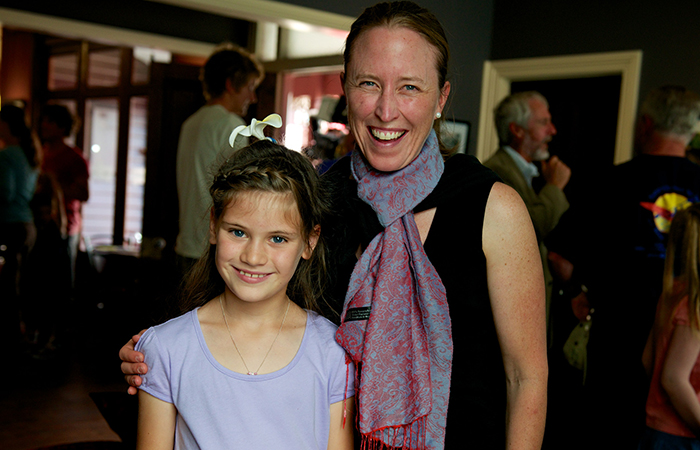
[19, 161]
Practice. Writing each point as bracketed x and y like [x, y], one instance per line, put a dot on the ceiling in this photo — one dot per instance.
[284, 31]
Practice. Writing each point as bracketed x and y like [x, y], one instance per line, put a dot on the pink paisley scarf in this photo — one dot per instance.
[396, 324]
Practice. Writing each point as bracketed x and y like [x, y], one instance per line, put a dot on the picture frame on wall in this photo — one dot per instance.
[455, 134]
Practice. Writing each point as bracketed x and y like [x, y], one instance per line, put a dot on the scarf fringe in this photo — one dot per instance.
[388, 438]
[407, 437]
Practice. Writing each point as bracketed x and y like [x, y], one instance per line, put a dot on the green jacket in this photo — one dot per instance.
[545, 208]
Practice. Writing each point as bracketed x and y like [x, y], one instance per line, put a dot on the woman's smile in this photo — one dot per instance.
[386, 135]
[393, 95]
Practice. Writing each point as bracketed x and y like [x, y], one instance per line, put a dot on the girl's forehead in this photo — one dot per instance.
[263, 205]
[257, 198]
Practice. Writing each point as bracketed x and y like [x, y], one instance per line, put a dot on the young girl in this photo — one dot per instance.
[672, 353]
[246, 366]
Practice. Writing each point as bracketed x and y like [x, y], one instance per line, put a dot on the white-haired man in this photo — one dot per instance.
[525, 128]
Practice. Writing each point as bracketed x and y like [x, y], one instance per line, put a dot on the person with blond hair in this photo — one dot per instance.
[672, 352]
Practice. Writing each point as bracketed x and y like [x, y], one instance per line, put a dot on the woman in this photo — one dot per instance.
[18, 174]
[488, 270]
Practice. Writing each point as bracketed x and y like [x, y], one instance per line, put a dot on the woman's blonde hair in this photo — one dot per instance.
[683, 262]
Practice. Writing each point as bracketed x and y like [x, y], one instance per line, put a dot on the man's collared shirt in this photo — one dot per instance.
[528, 169]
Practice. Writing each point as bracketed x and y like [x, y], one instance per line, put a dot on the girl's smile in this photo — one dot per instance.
[246, 275]
[258, 245]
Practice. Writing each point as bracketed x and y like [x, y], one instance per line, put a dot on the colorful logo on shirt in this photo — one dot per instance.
[665, 207]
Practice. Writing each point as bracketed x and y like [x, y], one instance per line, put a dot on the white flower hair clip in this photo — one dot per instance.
[256, 128]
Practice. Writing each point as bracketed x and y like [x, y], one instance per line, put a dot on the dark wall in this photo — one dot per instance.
[666, 32]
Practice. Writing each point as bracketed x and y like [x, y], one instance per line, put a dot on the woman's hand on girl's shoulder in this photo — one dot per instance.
[132, 363]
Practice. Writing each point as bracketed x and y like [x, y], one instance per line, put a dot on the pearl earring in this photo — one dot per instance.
[438, 115]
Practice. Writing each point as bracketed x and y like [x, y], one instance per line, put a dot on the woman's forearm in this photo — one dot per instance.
[526, 412]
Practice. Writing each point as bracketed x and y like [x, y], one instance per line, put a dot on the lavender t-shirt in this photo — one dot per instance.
[218, 408]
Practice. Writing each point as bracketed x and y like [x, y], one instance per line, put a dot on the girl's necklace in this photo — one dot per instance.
[234, 341]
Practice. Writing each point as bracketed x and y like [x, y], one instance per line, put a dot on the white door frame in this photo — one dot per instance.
[498, 76]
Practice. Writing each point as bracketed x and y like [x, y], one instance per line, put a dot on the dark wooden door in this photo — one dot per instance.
[175, 95]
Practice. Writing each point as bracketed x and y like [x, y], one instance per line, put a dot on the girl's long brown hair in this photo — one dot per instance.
[266, 167]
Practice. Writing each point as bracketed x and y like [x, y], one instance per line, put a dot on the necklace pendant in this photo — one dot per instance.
[233, 341]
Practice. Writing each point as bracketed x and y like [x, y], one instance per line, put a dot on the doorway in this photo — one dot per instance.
[499, 75]
[585, 113]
